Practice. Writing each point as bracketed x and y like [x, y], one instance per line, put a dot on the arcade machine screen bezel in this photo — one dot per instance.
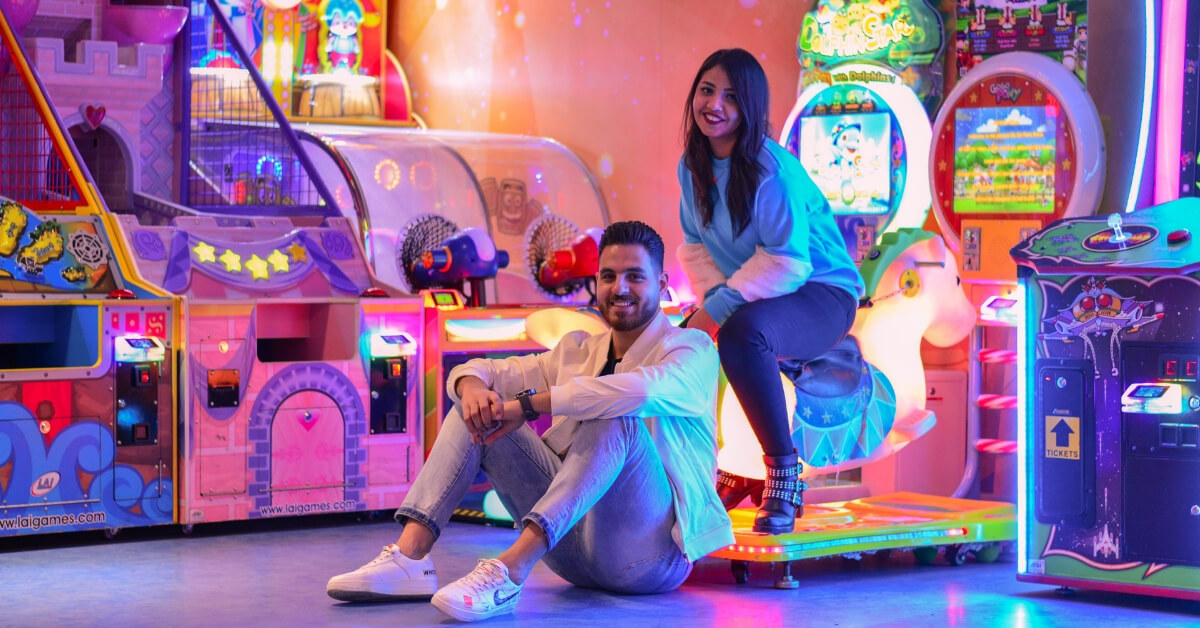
[1050, 113]
[1023, 79]
[823, 129]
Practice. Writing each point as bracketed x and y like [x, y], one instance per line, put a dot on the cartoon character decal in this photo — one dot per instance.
[1097, 310]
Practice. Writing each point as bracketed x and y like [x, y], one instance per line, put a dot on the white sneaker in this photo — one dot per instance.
[483, 593]
[391, 576]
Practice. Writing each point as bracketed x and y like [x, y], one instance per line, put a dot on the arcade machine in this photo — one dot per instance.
[871, 80]
[87, 422]
[1110, 415]
[864, 140]
[524, 193]
[871, 76]
[1017, 145]
[299, 371]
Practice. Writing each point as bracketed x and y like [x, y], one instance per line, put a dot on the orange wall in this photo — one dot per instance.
[606, 78]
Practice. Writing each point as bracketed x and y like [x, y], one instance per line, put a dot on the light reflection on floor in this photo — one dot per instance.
[250, 574]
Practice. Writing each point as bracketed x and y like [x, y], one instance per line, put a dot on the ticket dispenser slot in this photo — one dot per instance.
[390, 358]
[138, 359]
[1064, 432]
[224, 388]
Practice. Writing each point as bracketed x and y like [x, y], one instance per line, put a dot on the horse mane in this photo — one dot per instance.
[890, 246]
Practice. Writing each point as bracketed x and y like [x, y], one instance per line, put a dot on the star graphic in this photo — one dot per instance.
[807, 412]
[257, 267]
[827, 418]
[1066, 164]
[974, 97]
[942, 165]
[233, 261]
[279, 261]
[298, 252]
[1038, 96]
[909, 76]
[204, 252]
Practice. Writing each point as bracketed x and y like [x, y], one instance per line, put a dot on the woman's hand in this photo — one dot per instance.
[703, 321]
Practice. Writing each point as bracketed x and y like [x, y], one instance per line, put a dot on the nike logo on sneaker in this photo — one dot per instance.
[500, 601]
[430, 572]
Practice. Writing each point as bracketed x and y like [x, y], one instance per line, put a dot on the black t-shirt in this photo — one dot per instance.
[610, 365]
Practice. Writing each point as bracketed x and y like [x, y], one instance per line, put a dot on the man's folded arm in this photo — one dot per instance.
[683, 383]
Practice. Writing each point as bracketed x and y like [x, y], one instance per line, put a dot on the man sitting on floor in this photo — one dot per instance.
[617, 495]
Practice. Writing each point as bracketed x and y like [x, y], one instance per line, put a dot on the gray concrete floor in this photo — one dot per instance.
[274, 573]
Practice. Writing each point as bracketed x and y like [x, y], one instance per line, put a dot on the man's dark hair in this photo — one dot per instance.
[635, 232]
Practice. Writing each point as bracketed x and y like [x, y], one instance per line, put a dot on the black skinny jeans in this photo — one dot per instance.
[798, 326]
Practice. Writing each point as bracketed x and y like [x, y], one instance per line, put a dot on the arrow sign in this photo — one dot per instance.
[1062, 434]
[1062, 437]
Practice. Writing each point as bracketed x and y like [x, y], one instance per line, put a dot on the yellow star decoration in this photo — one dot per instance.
[204, 252]
[279, 261]
[942, 166]
[909, 76]
[298, 253]
[1066, 164]
[257, 267]
[233, 261]
[974, 98]
[1037, 96]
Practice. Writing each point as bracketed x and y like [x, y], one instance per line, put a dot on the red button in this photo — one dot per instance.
[1179, 236]
[145, 377]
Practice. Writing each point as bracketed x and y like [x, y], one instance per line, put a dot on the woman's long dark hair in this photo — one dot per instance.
[749, 84]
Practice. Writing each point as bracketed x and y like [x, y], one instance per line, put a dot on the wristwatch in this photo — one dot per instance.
[527, 404]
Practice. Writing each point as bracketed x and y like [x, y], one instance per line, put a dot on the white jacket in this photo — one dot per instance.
[668, 378]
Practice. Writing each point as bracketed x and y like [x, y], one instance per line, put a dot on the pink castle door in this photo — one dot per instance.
[308, 442]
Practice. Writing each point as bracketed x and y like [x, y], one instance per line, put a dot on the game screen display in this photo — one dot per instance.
[396, 340]
[1148, 392]
[1004, 160]
[847, 156]
[443, 298]
[140, 343]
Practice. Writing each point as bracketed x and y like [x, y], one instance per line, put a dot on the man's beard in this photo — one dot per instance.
[636, 318]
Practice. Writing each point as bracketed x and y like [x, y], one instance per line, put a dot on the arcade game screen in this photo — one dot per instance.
[847, 157]
[1004, 160]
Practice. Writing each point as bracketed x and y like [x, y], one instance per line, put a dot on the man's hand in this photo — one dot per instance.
[481, 407]
[512, 417]
[703, 321]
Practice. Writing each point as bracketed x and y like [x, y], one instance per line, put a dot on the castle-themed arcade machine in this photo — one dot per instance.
[862, 131]
[1110, 413]
[87, 373]
[405, 189]
[299, 375]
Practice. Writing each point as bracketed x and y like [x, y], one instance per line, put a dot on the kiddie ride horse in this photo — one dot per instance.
[851, 407]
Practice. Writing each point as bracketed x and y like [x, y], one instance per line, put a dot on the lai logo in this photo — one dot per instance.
[44, 484]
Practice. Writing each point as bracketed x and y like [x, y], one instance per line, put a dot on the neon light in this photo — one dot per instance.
[1170, 102]
[1023, 396]
[268, 159]
[1139, 161]
[387, 174]
[486, 329]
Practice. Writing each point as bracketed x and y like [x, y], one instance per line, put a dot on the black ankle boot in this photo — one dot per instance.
[783, 495]
[732, 489]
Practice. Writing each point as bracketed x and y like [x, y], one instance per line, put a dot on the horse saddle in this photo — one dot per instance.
[836, 373]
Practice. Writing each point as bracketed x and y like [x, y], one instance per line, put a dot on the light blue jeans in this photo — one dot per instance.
[606, 506]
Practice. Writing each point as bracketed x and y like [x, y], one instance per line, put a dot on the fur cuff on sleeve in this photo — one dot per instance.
[701, 270]
[764, 276]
